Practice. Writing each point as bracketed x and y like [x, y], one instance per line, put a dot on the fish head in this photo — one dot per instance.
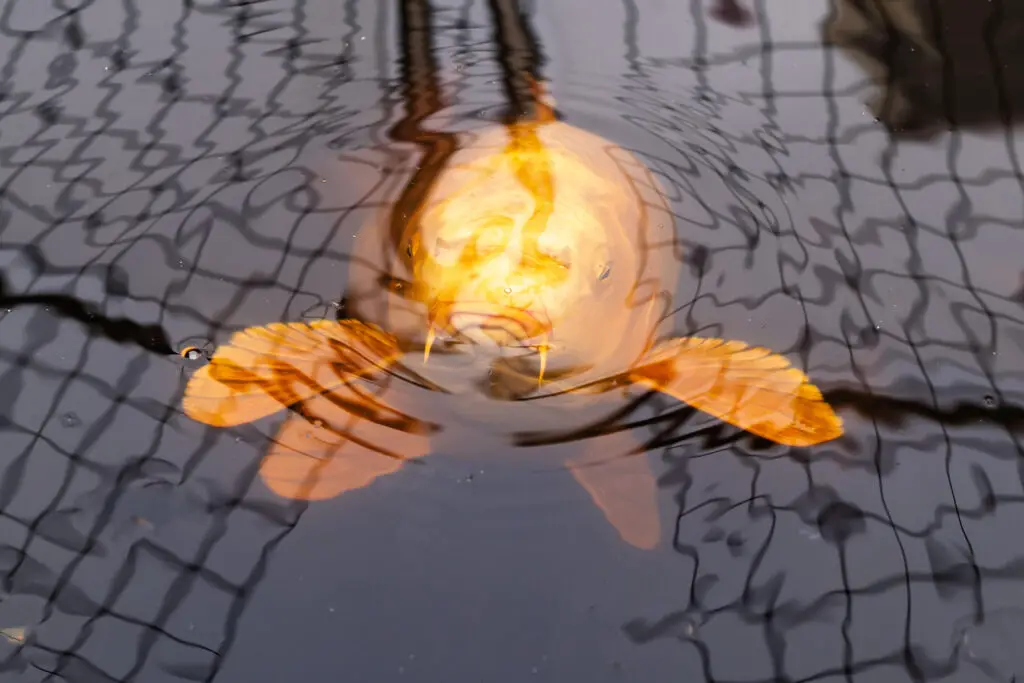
[539, 249]
[532, 243]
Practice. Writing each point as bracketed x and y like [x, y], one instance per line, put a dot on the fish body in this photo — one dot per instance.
[527, 287]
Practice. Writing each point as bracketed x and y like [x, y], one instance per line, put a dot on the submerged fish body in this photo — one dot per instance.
[528, 285]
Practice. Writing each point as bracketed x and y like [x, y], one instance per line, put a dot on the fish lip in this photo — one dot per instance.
[530, 323]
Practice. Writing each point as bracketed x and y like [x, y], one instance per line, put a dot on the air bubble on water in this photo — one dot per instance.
[508, 290]
[70, 420]
[193, 350]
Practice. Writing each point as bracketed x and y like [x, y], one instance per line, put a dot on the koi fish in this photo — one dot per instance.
[523, 290]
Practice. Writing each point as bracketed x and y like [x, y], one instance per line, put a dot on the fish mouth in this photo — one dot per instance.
[492, 325]
[504, 325]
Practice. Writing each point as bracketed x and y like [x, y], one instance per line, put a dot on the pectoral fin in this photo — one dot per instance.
[749, 387]
[620, 483]
[324, 451]
[262, 370]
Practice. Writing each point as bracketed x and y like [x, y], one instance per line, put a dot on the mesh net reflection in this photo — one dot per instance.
[176, 173]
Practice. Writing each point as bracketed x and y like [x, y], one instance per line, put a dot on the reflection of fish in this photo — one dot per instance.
[533, 271]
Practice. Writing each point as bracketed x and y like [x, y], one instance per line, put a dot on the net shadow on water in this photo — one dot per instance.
[940, 554]
[177, 171]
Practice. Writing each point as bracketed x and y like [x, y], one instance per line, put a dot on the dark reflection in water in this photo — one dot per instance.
[938, 63]
[172, 173]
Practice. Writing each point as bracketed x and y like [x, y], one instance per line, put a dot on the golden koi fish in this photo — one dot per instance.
[533, 270]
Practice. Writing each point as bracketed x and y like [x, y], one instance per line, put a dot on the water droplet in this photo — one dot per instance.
[70, 420]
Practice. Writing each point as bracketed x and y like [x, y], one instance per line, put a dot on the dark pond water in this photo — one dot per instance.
[847, 191]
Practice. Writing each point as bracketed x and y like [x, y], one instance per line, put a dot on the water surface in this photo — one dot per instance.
[847, 191]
